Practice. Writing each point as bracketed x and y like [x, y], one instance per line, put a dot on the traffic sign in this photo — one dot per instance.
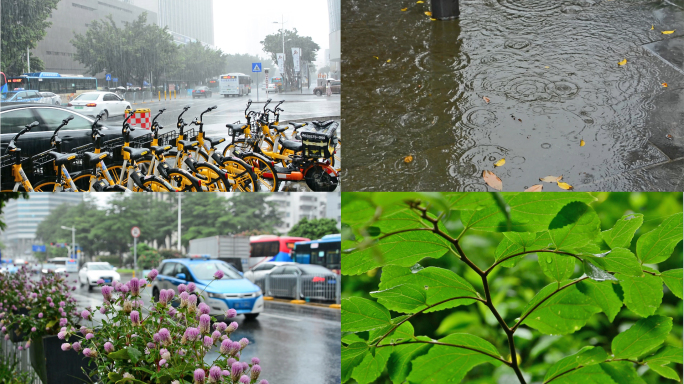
[116, 79]
[108, 76]
[135, 232]
[38, 248]
[256, 67]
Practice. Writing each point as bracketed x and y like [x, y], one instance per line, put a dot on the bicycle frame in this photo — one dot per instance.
[20, 178]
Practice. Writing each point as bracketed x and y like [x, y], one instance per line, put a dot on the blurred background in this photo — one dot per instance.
[513, 288]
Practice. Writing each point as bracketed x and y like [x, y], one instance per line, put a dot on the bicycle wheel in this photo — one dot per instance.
[46, 186]
[240, 144]
[155, 186]
[238, 171]
[267, 179]
[83, 182]
[181, 182]
[213, 181]
[319, 180]
[115, 173]
[267, 145]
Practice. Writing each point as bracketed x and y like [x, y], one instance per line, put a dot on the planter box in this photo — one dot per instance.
[55, 366]
[21, 337]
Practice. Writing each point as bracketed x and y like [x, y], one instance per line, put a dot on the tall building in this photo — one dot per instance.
[334, 11]
[74, 17]
[22, 217]
[187, 20]
[313, 205]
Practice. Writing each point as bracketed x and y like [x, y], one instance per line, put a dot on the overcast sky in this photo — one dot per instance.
[239, 25]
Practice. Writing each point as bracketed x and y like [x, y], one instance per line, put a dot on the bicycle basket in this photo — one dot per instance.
[319, 143]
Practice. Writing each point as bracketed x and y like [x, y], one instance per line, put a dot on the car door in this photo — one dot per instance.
[174, 282]
[165, 274]
[13, 121]
[120, 105]
[82, 274]
[75, 134]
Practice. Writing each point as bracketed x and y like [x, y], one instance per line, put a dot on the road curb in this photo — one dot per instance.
[304, 309]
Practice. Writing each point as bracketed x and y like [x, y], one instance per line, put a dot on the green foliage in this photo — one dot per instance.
[425, 253]
[314, 229]
[273, 44]
[148, 257]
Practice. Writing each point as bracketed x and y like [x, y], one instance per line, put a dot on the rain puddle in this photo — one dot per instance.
[524, 80]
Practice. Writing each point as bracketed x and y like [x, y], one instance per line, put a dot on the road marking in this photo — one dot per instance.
[281, 317]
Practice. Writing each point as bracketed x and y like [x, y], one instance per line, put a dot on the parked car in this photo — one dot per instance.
[335, 85]
[261, 270]
[317, 282]
[21, 96]
[232, 291]
[271, 88]
[91, 272]
[14, 116]
[92, 103]
[50, 98]
[201, 92]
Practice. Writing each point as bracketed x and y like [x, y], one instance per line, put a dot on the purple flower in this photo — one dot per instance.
[215, 374]
[263, 382]
[216, 335]
[225, 346]
[151, 345]
[107, 292]
[76, 346]
[135, 317]
[165, 335]
[151, 275]
[172, 312]
[40, 315]
[61, 303]
[234, 348]
[182, 288]
[205, 322]
[192, 299]
[166, 295]
[103, 309]
[86, 352]
[255, 360]
[208, 341]
[232, 327]
[156, 338]
[244, 342]
[52, 305]
[191, 287]
[162, 362]
[28, 344]
[231, 313]
[100, 281]
[236, 370]
[204, 309]
[89, 336]
[244, 379]
[220, 326]
[142, 283]
[225, 373]
[66, 347]
[61, 335]
[63, 321]
[199, 376]
[218, 275]
[256, 370]
[192, 334]
[85, 314]
[164, 353]
[109, 347]
[33, 329]
[134, 286]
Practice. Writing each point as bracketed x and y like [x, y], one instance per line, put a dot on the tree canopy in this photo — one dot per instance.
[273, 44]
[314, 229]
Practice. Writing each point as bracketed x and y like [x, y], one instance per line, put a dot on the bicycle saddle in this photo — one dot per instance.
[63, 158]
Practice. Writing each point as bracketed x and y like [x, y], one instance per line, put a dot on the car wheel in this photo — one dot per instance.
[155, 295]
[105, 116]
[251, 316]
[90, 288]
[318, 93]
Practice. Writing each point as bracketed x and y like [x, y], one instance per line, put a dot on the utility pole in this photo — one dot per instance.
[179, 222]
[28, 59]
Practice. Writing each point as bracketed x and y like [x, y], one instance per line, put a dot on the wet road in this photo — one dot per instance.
[295, 344]
[550, 73]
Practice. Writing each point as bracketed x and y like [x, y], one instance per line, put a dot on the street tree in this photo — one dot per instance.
[314, 229]
[24, 24]
[273, 44]
[196, 63]
[242, 62]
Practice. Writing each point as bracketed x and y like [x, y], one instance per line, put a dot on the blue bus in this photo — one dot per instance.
[50, 82]
[325, 251]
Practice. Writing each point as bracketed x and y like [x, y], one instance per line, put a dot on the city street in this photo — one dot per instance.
[292, 341]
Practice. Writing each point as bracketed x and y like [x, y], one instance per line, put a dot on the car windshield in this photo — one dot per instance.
[314, 270]
[100, 267]
[58, 262]
[87, 96]
[9, 95]
[205, 271]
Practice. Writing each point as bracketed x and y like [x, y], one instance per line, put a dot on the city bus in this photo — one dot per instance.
[271, 248]
[52, 82]
[325, 251]
[278, 81]
[235, 84]
[213, 84]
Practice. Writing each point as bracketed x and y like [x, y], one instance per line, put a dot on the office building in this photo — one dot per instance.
[334, 11]
[294, 206]
[187, 21]
[22, 216]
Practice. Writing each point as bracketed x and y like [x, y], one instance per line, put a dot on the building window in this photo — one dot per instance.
[83, 7]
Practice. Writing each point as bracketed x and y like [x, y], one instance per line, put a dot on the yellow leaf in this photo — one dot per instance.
[582, 143]
[535, 188]
[408, 159]
[388, 60]
[404, 9]
[551, 179]
[664, 85]
[486, 99]
[492, 180]
[623, 62]
[428, 13]
[668, 32]
[376, 58]
[500, 163]
[419, 2]
[547, 67]
[651, 27]
[432, 19]
[565, 186]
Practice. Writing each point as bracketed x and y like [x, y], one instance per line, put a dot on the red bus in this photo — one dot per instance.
[271, 248]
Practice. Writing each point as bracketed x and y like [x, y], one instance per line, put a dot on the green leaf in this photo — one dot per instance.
[121, 354]
[619, 260]
[459, 201]
[622, 372]
[657, 246]
[664, 371]
[371, 366]
[404, 332]
[359, 314]
[673, 280]
[407, 298]
[399, 364]
[444, 364]
[377, 333]
[592, 374]
[668, 354]
[584, 357]
[508, 247]
[604, 296]
[620, 236]
[530, 212]
[644, 336]
[575, 226]
[403, 249]
[134, 354]
[351, 338]
[642, 294]
[565, 312]
[352, 356]
[114, 376]
[558, 267]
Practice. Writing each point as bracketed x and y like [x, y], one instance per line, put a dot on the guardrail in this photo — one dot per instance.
[302, 287]
[10, 351]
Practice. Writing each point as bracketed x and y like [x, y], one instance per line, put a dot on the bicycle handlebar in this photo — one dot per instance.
[26, 128]
[208, 110]
[249, 102]
[158, 114]
[267, 103]
[184, 109]
[64, 122]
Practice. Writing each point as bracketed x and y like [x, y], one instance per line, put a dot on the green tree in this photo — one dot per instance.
[314, 229]
[273, 44]
[24, 24]
[148, 257]
[197, 63]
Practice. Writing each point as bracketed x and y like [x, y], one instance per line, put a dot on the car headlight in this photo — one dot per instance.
[215, 295]
[259, 293]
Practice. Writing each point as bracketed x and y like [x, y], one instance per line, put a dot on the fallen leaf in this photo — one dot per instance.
[408, 159]
[535, 188]
[432, 19]
[565, 186]
[486, 99]
[667, 32]
[623, 62]
[492, 180]
[651, 27]
[547, 67]
[500, 163]
[669, 137]
[582, 143]
[664, 85]
[551, 179]
[376, 58]
[388, 60]
[404, 9]
[428, 13]
[419, 2]
[520, 120]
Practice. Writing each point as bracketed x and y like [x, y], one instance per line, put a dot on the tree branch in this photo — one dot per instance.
[582, 366]
[543, 300]
[403, 231]
[526, 252]
[448, 345]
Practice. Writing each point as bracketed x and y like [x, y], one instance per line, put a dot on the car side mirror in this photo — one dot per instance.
[241, 273]
[181, 276]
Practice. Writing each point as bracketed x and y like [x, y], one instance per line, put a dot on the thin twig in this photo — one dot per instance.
[582, 366]
[488, 270]
[448, 345]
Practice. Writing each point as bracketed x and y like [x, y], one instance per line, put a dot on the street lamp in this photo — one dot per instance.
[73, 238]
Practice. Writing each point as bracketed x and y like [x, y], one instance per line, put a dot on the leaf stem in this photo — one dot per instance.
[448, 345]
[582, 366]
[403, 231]
[488, 270]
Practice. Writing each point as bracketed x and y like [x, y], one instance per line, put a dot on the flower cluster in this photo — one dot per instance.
[167, 339]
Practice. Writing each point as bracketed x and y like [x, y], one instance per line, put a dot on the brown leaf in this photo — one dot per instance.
[408, 159]
[486, 99]
[492, 180]
[535, 188]
[551, 179]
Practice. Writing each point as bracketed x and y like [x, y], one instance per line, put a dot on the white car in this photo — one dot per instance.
[271, 88]
[92, 103]
[91, 272]
[50, 98]
[259, 271]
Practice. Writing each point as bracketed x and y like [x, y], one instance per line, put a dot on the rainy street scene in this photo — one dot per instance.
[241, 78]
[513, 95]
[248, 283]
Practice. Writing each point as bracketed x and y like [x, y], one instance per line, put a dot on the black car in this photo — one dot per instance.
[201, 92]
[14, 116]
[316, 282]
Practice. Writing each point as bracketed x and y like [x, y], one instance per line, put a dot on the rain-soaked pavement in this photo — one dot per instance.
[296, 344]
[550, 70]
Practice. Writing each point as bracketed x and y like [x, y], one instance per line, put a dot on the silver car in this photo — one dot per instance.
[50, 98]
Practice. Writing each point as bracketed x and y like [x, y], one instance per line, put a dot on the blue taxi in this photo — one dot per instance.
[232, 291]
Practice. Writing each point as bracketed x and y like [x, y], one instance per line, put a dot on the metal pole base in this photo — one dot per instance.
[445, 9]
